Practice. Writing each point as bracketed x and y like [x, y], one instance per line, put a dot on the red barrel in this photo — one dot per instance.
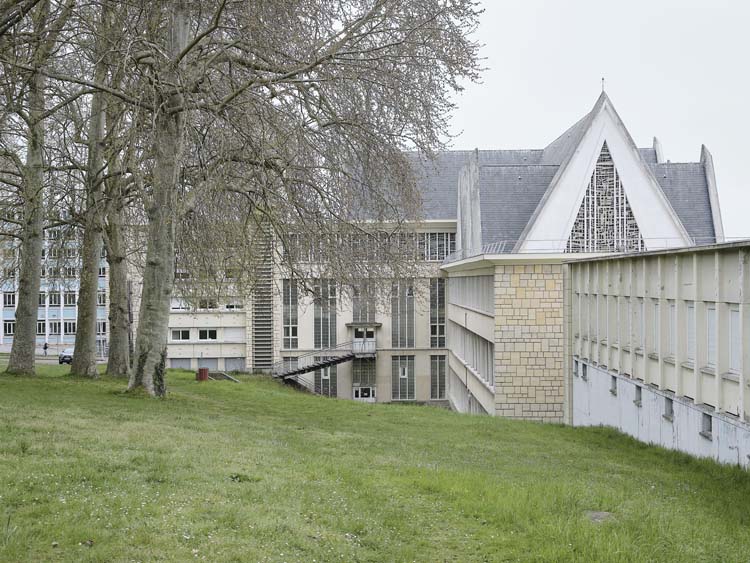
[202, 374]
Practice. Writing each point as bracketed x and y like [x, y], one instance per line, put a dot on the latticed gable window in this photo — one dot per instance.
[605, 221]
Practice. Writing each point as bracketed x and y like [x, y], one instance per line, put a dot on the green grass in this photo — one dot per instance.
[258, 472]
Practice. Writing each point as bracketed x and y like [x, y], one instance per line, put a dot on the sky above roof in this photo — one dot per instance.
[676, 70]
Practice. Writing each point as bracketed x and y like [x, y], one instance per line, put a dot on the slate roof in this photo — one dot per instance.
[686, 188]
[512, 183]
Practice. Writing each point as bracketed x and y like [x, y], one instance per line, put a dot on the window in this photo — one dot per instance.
[575, 368]
[235, 303]
[735, 344]
[672, 340]
[40, 327]
[181, 334]
[690, 325]
[208, 304]
[641, 324]
[402, 374]
[325, 380]
[584, 372]
[71, 272]
[54, 252]
[42, 299]
[102, 271]
[54, 328]
[10, 273]
[363, 372]
[9, 328]
[711, 335]
[402, 314]
[69, 327]
[605, 221]
[324, 329]
[434, 247]
[101, 327]
[207, 334]
[9, 299]
[179, 305]
[668, 409]
[290, 316]
[54, 299]
[103, 253]
[707, 423]
[101, 298]
[70, 299]
[638, 395]
[437, 377]
[657, 328]
[363, 307]
[613, 385]
[437, 313]
[71, 252]
[53, 234]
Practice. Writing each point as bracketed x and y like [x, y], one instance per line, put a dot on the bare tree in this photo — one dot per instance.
[28, 58]
[295, 113]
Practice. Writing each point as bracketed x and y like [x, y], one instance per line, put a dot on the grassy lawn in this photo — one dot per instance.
[258, 472]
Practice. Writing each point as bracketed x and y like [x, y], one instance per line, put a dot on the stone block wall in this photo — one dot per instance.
[529, 375]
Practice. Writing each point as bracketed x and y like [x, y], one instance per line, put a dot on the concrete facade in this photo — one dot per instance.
[674, 324]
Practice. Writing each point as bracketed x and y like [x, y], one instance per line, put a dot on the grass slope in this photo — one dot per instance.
[258, 472]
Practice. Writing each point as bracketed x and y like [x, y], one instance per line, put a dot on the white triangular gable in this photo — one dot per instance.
[551, 224]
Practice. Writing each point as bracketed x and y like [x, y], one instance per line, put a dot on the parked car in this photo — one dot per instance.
[66, 356]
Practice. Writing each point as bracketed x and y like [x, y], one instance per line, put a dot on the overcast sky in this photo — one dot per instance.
[677, 70]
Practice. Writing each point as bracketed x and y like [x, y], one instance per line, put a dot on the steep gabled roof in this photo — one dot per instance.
[514, 184]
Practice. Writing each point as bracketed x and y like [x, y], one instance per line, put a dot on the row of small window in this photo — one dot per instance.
[55, 272]
[71, 252]
[69, 299]
[639, 321]
[53, 327]
[203, 334]
[434, 247]
[205, 304]
[706, 419]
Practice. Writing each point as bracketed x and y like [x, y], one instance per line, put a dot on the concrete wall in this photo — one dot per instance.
[595, 404]
[676, 324]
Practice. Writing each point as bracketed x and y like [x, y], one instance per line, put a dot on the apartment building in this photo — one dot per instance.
[58, 297]
[483, 327]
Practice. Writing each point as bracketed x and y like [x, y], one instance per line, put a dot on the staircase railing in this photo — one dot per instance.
[279, 369]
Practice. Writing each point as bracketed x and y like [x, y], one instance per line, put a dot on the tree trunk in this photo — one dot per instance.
[84, 358]
[118, 363]
[158, 275]
[23, 350]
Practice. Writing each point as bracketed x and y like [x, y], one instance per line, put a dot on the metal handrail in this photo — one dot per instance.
[305, 360]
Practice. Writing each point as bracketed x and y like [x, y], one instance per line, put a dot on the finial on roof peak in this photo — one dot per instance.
[602, 84]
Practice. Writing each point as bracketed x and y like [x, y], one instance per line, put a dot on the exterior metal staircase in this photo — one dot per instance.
[298, 371]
